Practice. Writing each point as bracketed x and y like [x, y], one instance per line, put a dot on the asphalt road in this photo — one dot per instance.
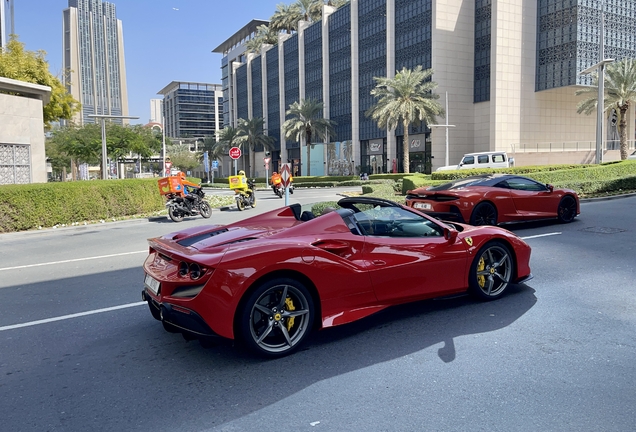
[80, 352]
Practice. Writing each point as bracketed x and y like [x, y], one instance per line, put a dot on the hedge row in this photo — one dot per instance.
[25, 207]
[524, 170]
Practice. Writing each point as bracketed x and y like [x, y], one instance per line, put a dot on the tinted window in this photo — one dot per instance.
[468, 160]
[395, 222]
[524, 184]
[498, 158]
[483, 159]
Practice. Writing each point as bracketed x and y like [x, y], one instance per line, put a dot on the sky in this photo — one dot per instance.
[164, 40]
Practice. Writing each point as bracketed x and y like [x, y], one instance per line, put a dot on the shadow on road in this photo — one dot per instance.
[121, 368]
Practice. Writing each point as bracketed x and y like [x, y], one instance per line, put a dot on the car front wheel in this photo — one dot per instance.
[277, 317]
[491, 271]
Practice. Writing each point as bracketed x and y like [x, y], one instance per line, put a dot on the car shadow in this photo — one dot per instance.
[120, 358]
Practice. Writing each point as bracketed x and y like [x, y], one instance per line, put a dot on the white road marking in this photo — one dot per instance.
[76, 315]
[72, 260]
[541, 235]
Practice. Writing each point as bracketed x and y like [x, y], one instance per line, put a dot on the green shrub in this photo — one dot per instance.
[29, 206]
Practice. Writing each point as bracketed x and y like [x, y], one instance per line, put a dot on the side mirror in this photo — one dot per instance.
[450, 235]
[550, 187]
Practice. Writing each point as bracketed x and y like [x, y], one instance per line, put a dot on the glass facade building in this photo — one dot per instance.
[192, 110]
[510, 71]
[93, 48]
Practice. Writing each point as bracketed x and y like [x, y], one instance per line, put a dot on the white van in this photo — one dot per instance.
[498, 159]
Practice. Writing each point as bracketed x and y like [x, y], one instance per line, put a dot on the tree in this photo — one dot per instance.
[83, 144]
[406, 98]
[306, 121]
[285, 18]
[250, 134]
[182, 158]
[620, 91]
[32, 67]
[264, 35]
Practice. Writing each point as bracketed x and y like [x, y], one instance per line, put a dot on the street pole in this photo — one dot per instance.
[163, 139]
[446, 159]
[103, 118]
[600, 101]
[105, 175]
[601, 92]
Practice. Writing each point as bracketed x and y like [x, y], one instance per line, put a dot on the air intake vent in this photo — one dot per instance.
[195, 239]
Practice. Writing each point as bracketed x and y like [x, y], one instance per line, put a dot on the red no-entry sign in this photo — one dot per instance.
[235, 152]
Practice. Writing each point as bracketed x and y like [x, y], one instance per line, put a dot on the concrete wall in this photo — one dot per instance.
[21, 122]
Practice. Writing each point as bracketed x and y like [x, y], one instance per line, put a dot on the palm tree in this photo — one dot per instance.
[407, 98]
[250, 134]
[285, 18]
[305, 120]
[620, 90]
[264, 35]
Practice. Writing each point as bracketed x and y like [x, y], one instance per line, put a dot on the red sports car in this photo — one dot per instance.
[493, 199]
[270, 279]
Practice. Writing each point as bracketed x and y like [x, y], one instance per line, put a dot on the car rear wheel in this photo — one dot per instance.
[567, 209]
[491, 271]
[277, 317]
[484, 214]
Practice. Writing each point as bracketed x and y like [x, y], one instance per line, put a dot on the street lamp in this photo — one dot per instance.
[600, 103]
[445, 126]
[103, 117]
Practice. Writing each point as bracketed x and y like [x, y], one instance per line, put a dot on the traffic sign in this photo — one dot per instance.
[266, 160]
[235, 152]
[285, 174]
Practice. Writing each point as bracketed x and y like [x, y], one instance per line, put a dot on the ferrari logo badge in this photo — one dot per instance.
[469, 241]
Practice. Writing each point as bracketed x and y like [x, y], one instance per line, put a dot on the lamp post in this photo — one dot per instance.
[103, 118]
[446, 163]
[600, 103]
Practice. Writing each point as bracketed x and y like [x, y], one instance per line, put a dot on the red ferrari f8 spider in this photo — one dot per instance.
[269, 280]
[493, 199]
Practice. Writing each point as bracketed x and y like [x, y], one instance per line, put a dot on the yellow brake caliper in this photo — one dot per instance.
[481, 279]
[290, 307]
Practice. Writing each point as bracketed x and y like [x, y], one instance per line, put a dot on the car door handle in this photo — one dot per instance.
[378, 262]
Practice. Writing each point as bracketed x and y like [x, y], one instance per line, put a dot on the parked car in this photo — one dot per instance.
[267, 281]
[496, 159]
[632, 156]
[494, 199]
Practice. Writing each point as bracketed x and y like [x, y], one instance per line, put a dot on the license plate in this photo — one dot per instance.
[152, 284]
[422, 206]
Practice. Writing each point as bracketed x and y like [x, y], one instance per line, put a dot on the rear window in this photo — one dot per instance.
[498, 158]
[483, 159]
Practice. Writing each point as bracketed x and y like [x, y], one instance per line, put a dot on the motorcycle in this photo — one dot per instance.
[279, 190]
[246, 197]
[191, 205]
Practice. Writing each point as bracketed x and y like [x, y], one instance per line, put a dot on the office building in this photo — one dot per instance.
[93, 46]
[156, 111]
[192, 110]
[233, 50]
[510, 69]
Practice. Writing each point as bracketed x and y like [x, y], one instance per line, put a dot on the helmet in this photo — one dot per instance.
[274, 173]
[241, 172]
[181, 175]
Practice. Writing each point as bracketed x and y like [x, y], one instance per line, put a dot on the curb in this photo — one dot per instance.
[607, 198]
